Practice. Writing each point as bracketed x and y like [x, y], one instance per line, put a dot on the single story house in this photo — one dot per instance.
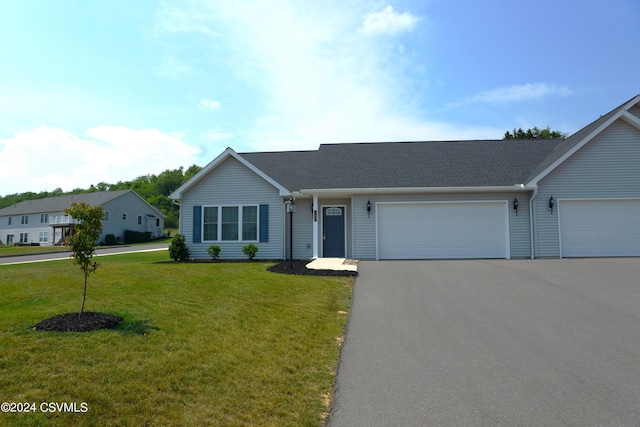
[44, 222]
[573, 197]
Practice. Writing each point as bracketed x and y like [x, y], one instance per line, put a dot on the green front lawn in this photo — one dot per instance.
[201, 344]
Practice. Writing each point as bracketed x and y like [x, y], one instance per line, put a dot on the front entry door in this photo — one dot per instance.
[333, 232]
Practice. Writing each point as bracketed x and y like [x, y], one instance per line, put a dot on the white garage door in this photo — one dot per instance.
[592, 228]
[442, 230]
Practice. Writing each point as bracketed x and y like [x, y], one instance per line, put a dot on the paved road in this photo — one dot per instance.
[492, 343]
[22, 259]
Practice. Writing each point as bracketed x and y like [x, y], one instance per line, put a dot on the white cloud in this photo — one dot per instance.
[388, 22]
[210, 104]
[215, 135]
[46, 158]
[514, 93]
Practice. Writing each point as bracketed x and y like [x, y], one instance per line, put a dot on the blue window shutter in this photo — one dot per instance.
[197, 224]
[264, 223]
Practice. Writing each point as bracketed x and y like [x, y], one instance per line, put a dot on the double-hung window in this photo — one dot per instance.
[230, 223]
[249, 223]
[210, 223]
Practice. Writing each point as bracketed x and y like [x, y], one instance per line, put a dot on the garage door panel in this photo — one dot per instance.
[442, 230]
[592, 228]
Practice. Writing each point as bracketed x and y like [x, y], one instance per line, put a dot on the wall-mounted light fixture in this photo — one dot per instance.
[515, 205]
[551, 203]
[368, 207]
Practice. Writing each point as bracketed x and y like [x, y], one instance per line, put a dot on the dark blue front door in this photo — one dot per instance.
[333, 232]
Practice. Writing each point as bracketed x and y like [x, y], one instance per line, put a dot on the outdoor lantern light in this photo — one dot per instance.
[515, 205]
[291, 207]
[551, 203]
[368, 207]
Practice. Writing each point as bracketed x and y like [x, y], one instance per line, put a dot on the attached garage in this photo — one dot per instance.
[442, 230]
[599, 228]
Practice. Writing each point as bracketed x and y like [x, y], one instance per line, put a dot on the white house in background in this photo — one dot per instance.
[44, 222]
[576, 197]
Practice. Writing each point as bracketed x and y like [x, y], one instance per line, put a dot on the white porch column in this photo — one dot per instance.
[315, 227]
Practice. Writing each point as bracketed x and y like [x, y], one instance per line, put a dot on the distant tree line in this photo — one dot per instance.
[155, 189]
[535, 133]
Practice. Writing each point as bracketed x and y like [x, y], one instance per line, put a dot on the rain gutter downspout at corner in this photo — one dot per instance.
[535, 193]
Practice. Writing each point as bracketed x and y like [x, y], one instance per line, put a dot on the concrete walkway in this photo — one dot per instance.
[337, 264]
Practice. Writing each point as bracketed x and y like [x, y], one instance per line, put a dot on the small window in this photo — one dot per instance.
[157, 222]
[139, 219]
[124, 216]
[106, 216]
[44, 218]
[24, 220]
[24, 237]
[333, 211]
[44, 237]
[9, 222]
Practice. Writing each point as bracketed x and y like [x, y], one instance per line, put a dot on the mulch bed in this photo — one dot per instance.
[69, 322]
[299, 267]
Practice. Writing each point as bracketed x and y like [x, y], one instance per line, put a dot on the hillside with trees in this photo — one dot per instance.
[155, 189]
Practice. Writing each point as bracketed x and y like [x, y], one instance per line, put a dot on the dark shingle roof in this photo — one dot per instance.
[59, 204]
[406, 164]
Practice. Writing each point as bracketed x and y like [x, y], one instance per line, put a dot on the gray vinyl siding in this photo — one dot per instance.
[635, 110]
[606, 167]
[131, 204]
[231, 183]
[365, 225]
[303, 227]
[302, 231]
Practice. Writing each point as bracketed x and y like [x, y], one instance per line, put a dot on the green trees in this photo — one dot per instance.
[83, 240]
[535, 133]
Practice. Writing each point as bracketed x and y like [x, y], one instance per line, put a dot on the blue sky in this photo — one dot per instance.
[103, 91]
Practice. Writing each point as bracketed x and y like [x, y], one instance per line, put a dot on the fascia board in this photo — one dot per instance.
[229, 152]
[620, 114]
[405, 190]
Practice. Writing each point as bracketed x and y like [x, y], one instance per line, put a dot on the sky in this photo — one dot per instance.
[110, 90]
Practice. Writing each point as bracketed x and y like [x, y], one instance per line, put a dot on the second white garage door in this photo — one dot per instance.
[442, 230]
[592, 228]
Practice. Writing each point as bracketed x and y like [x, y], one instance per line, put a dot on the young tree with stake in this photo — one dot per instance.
[83, 239]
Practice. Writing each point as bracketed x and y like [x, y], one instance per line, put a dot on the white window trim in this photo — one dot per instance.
[107, 216]
[240, 223]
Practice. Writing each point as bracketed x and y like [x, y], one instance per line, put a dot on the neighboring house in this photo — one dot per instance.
[44, 222]
[577, 197]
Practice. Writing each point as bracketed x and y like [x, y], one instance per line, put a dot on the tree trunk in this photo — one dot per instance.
[84, 294]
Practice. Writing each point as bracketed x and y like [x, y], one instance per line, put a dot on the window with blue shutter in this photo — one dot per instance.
[264, 223]
[197, 224]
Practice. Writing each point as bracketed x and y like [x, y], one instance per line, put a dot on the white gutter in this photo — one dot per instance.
[517, 187]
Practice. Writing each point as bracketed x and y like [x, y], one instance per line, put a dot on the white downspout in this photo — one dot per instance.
[535, 193]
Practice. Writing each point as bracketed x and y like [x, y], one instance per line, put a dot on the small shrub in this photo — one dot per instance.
[131, 236]
[250, 250]
[214, 251]
[178, 249]
[110, 239]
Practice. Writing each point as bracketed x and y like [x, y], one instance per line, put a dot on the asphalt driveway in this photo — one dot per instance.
[492, 343]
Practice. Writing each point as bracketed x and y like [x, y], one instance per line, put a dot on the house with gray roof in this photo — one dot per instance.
[574, 197]
[44, 222]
